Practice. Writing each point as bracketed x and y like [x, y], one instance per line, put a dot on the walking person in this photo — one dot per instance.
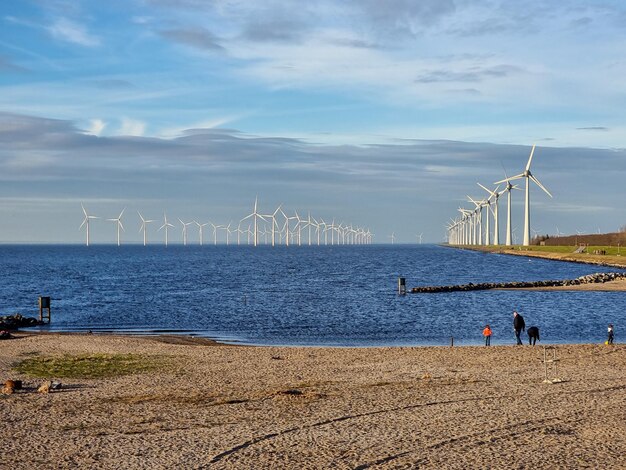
[611, 334]
[487, 335]
[518, 326]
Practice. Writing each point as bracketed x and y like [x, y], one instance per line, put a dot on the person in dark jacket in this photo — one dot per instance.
[518, 325]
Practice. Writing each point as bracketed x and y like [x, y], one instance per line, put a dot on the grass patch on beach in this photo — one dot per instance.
[89, 366]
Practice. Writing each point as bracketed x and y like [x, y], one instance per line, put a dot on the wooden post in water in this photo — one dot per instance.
[451, 341]
[44, 304]
[401, 286]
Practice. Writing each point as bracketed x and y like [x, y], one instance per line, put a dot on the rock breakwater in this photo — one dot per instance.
[587, 279]
[13, 322]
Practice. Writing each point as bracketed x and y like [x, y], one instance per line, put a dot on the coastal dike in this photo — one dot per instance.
[613, 281]
[572, 257]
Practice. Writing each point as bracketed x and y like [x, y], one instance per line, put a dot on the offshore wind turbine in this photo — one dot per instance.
[228, 231]
[143, 227]
[309, 224]
[201, 230]
[185, 225]
[86, 221]
[166, 225]
[393, 237]
[528, 176]
[119, 225]
[255, 216]
[274, 223]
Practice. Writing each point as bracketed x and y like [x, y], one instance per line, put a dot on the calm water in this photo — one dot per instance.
[343, 296]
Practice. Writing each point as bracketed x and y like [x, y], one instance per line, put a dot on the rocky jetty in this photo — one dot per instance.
[588, 279]
[13, 322]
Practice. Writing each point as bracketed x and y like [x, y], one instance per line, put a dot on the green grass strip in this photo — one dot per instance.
[89, 366]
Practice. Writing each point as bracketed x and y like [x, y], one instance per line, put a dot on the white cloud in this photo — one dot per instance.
[96, 126]
[207, 124]
[70, 31]
[132, 127]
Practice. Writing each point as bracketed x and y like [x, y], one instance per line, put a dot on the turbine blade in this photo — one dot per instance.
[534, 178]
[488, 190]
[530, 159]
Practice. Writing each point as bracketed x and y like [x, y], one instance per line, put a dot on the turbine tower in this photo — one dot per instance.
[86, 221]
[119, 225]
[528, 176]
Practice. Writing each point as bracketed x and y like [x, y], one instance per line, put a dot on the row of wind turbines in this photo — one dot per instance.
[467, 228]
[275, 228]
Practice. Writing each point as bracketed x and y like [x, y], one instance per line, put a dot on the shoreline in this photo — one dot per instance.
[225, 407]
[184, 340]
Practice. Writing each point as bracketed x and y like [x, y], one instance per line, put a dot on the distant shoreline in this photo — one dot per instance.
[581, 258]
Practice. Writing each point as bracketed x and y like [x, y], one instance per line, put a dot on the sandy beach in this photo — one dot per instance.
[217, 406]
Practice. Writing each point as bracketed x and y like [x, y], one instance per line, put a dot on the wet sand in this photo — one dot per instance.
[216, 406]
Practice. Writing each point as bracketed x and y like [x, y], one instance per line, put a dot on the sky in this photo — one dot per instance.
[379, 114]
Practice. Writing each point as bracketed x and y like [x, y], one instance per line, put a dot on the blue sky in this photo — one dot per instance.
[383, 114]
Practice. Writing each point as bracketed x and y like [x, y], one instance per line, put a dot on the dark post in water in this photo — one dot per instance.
[401, 286]
[44, 303]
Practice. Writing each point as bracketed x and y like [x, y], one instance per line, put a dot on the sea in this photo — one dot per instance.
[343, 296]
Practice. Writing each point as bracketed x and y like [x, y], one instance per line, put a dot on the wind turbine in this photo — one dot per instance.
[185, 225]
[536, 233]
[479, 219]
[201, 230]
[508, 188]
[86, 221]
[119, 225]
[166, 225]
[393, 237]
[528, 176]
[143, 227]
[274, 223]
[255, 216]
[227, 230]
[496, 231]
[466, 226]
[215, 227]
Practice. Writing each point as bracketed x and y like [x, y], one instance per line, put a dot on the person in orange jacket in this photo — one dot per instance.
[487, 335]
